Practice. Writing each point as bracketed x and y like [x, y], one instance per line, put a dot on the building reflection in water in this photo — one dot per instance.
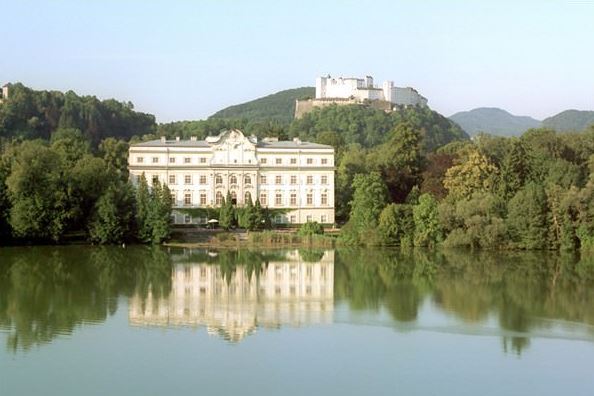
[285, 292]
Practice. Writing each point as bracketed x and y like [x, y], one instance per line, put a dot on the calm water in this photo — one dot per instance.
[144, 321]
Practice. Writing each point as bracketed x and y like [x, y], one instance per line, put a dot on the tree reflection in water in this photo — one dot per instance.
[49, 291]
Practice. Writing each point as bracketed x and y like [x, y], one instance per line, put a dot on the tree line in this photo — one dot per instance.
[530, 192]
[59, 189]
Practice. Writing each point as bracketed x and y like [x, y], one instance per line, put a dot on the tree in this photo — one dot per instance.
[310, 228]
[515, 169]
[369, 198]
[249, 216]
[115, 154]
[396, 224]
[527, 217]
[143, 210]
[475, 174]
[426, 218]
[112, 219]
[160, 212]
[227, 213]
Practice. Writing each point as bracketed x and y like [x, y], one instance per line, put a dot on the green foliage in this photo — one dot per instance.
[310, 228]
[474, 174]
[426, 218]
[227, 213]
[396, 225]
[113, 220]
[570, 120]
[527, 217]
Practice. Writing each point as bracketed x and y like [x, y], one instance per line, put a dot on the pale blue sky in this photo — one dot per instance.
[187, 59]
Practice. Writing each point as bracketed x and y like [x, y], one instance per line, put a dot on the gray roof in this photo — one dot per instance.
[285, 144]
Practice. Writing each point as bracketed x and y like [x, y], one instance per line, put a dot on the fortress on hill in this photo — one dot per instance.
[351, 90]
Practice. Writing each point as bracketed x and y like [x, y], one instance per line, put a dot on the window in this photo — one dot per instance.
[233, 197]
[278, 161]
[293, 179]
[309, 180]
[263, 199]
[278, 180]
[173, 197]
[247, 180]
[172, 160]
[278, 199]
[155, 179]
[309, 199]
[309, 161]
[202, 160]
[188, 199]
[324, 199]
[324, 179]
[233, 180]
[140, 160]
[187, 160]
[219, 198]
[263, 161]
[218, 179]
[308, 218]
[247, 197]
[202, 199]
[293, 161]
[293, 199]
[187, 219]
[171, 179]
[188, 179]
[293, 219]
[324, 161]
[262, 179]
[155, 160]
[323, 219]
[202, 179]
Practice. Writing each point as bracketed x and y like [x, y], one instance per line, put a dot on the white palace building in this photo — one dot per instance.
[294, 176]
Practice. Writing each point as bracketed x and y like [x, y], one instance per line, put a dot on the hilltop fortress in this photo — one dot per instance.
[351, 90]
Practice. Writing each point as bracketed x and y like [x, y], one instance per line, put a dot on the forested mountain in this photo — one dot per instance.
[494, 121]
[279, 107]
[31, 114]
[570, 120]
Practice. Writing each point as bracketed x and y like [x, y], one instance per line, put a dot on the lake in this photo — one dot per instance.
[82, 320]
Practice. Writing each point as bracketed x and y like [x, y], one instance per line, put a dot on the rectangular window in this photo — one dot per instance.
[202, 160]
[140, 160]
[202, 179]
[155, 160]
[262, 179]
[324, 199]
[263, 161]
[324, 161]
[323, 219]
[278, 199]
[278, 161]
[293, 161]
[155, 179]
[171, 179]
[187, 160]
[324, 179]
[293, 179]
[187, 199]
[293, 219]
[278, 180]
[188, 179]
[309, 161]
[308, 218]
[309, 180]
[173, 197]
[172, 160]
[263, 199]
[202, 199]
[293, 199]
[309, 199]
[187, 219]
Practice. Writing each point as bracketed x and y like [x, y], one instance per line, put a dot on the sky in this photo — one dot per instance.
[184, 60]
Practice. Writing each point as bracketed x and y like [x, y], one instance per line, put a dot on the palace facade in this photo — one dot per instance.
[293, 177]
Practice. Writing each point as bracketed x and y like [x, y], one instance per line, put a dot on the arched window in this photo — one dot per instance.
[233, 180]
[219, 179]
[219, 198]
[248, 179]
[247, 197]
[233, 197]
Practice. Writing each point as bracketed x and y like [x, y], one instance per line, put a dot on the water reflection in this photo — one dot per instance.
[48, 292]
[233, 301]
